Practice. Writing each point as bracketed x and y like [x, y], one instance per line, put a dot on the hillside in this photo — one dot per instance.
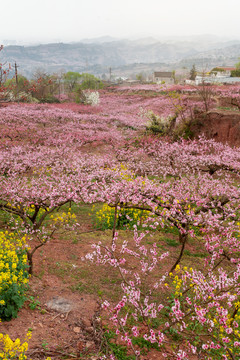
[98, 56]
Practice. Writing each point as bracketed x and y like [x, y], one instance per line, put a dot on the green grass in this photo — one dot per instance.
[110, 347]
[4, 219]
[227, 108]
[78, 287]
[197, 254]
[171, 242]
[145, 345]
[86, 278]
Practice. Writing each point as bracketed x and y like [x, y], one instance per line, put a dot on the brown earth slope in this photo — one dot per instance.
[223, 126]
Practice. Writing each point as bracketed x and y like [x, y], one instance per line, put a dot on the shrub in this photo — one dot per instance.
[235, 73]
[13, 275]
[184, 130]
[127, 218]
[92, 98]
[10, 349]
[13, 349]
[50, 100]
[156, 124]
[87, 97]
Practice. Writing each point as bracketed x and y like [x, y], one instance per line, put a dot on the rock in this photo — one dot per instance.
[77, 329]
[90, 329]
[59, 304]
[89, 344]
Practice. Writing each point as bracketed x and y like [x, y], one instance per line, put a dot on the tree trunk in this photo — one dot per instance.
[182, 240]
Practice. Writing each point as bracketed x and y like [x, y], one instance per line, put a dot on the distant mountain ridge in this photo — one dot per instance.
[97, 55]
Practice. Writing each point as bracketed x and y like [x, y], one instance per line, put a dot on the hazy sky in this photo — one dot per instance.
[73, 20]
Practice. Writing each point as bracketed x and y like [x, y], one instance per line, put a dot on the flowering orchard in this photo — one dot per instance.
[53, 156]
[186, 192]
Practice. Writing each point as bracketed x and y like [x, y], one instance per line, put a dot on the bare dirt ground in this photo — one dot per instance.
[60, 329]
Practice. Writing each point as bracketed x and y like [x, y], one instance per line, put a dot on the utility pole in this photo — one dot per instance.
[16, 72]
[16, 78]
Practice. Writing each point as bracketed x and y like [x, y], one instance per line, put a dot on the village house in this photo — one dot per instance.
[218, 75]
[221, 71]
[163, 77]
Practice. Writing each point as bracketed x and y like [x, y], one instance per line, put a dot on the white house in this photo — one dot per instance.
[221, 71]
